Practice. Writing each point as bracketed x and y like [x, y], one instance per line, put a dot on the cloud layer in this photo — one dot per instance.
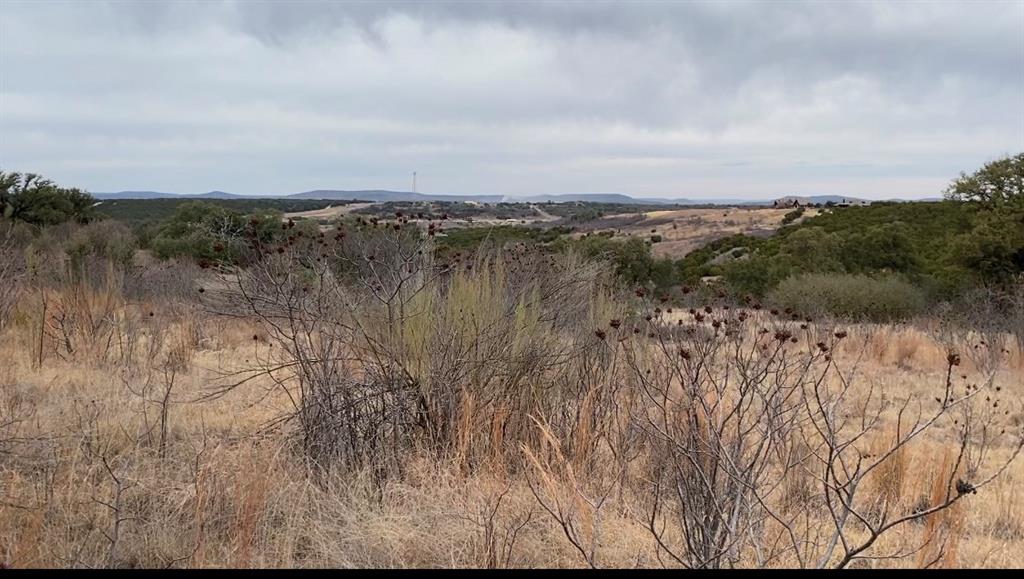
[679, 99]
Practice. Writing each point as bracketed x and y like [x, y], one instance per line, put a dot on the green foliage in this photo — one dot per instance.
[113, 242]
[994, 247]
[855, 297]
[582, 211]
[792, 216]
[207, 231]
[914, 239]
[469, 238]
[997, 185]
[434, 210]
[993, 250]
[975, 237]
[142, 213]
[32, 199]
[697, 264]
[630, 256]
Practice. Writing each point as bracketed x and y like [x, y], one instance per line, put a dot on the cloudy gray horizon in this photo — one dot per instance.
[694, 100]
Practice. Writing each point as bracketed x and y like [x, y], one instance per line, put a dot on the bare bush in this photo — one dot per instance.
[382, 351]
[12, 272]
[733, 416]
[174, 280]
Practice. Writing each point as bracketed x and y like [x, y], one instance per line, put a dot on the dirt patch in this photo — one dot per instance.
[329, 212]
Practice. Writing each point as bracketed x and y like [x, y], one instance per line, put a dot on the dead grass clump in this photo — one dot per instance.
[943, 530]
[889, 479]
[1007, 524]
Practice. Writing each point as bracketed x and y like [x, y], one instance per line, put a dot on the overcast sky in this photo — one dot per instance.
[673, 99]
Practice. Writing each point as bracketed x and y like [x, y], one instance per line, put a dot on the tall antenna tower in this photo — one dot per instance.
[414, 181]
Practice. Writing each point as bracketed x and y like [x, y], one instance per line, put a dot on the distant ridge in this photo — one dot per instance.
[380, 195]
[592, 198]
[384, 195]
[819, 199]
[159, 195]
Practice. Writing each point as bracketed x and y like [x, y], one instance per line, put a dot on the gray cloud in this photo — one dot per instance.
[677, 99]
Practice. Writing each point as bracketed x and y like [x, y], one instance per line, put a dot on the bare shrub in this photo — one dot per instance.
[730, 417]
[12, 272]
[382, 351]
[986, 326]
[174, 280]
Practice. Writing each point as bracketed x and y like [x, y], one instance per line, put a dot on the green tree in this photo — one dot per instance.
[31, 198]
[994, 247]
[998, 184]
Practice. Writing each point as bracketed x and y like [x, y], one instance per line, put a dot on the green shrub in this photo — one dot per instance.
[854, 297]
[209, 232]
[631, 257]
[32, 199]
[792, 216]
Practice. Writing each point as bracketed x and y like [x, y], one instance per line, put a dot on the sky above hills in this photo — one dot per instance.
[666, 99]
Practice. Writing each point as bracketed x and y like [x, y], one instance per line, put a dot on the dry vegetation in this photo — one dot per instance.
[684, 230]
[346, 402]
[329, 213]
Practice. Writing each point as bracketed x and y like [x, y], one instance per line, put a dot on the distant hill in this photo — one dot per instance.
[135, 195]
[819, 199]
[381, 195]
[220, 195]
[159, 195]
[592, 198]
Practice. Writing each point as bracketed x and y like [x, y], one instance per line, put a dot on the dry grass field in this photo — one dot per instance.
[511, 414]
[684, 230]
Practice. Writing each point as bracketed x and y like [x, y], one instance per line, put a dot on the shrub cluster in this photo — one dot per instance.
[850, 296]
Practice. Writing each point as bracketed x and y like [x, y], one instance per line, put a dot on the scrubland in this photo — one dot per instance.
[683, 230]
[344, 401]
